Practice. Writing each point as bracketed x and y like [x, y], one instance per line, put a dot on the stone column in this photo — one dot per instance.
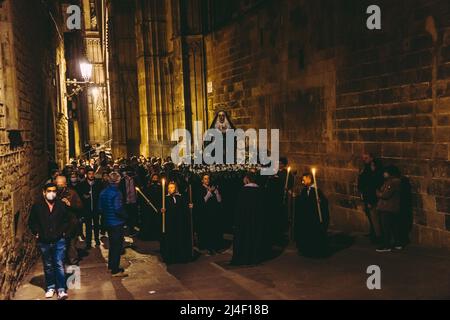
[151, 53]
[126, 132]
[193, 28]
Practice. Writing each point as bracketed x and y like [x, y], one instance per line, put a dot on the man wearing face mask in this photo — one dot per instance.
[49, 223]
[73, 182]
[90, 192]
[75, 208]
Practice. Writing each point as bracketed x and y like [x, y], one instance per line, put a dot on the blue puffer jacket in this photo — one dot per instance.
[111, 207]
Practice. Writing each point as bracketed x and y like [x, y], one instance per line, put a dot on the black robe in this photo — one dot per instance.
[151, 220]
[250, 245]
[277, 213]
[210, 232]
[283, 218]
[230, 186]
[176, 246]
[311, 235]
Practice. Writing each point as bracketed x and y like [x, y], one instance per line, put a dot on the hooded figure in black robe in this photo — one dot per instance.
[176, 243]
[251, 245]
[209, 217]
[277, 193]
[310, 233]
[151, 220]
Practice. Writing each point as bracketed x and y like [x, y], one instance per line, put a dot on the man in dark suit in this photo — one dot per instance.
[90, 192]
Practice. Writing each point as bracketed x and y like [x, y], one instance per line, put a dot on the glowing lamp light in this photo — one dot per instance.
[86, 70]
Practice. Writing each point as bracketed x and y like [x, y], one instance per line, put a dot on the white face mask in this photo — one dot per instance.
[51, 196]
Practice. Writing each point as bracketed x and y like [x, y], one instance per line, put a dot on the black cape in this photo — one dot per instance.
[209, 221]
[250, 245]
[310, 234]
[176, 246]
[151, 220]
[277, 210]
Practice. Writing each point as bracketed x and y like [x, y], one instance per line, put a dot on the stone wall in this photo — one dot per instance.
[336, 89]
[29, 77]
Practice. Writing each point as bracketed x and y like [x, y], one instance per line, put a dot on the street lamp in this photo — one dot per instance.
[77, 86]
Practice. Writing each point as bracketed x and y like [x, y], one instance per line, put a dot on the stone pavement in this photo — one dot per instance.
[415, 273]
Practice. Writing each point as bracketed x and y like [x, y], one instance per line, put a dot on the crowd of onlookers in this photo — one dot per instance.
[387, 202]
[70, 212]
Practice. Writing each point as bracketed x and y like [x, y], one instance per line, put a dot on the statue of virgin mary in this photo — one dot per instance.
[223, 123]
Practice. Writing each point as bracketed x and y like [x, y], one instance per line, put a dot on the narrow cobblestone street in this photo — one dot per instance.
[416, 273]
[195, 120]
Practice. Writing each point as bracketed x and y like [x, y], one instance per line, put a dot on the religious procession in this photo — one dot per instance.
[188, 209]
[238, 150]
[195, 210]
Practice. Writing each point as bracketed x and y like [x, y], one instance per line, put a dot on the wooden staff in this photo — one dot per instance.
[292, 234]
[146, 199]
[190, 220]
[317, 195]
[163, 206]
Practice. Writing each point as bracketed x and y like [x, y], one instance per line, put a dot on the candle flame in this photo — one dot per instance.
[289, 169]
[314, 171]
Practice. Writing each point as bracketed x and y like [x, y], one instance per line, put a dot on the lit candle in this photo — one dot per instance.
[163, 193]
[163, 206]
[287, 178]
[313, 170]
